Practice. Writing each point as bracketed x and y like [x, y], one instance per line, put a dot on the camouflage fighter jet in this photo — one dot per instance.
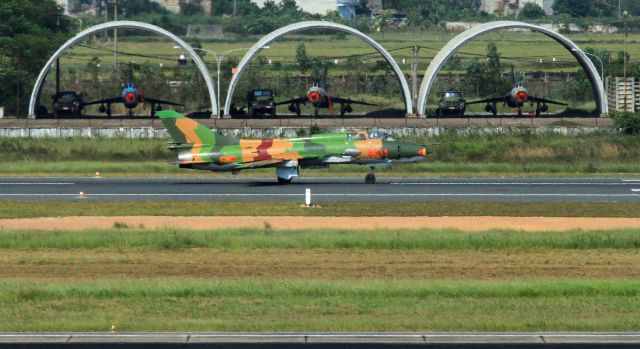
[130, 96]
[318, 96]
[200, 148]
[516, 98]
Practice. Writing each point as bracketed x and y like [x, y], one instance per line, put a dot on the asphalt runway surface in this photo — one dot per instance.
[322, 189]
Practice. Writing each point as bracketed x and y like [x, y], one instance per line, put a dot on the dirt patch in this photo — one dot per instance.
[319, 264]
[462, 223]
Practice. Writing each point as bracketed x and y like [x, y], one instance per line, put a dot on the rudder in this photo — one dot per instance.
[187, 131]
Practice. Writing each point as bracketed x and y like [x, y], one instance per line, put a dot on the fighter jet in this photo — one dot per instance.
[131, 96]
[200, 148]
[516, 98]
[319, 97]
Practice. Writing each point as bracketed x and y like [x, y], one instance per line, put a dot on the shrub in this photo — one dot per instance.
[627, 121]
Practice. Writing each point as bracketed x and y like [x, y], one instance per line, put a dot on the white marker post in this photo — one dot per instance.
[307, 197]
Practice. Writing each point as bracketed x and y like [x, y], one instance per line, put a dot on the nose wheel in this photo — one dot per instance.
[370, 178]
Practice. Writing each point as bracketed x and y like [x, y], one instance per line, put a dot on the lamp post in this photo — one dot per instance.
[625, 15]
[599, 60]
[219, 56]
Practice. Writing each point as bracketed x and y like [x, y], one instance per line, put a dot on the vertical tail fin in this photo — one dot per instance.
[187, 131]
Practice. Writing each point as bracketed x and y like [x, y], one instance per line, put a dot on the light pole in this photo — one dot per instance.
[625, 14]
[219, 57]
[599, 60]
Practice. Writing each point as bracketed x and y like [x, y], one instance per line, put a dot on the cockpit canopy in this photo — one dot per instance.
[364, 135]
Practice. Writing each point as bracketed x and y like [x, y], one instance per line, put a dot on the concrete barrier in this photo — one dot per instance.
[263, 128]
[320, 340]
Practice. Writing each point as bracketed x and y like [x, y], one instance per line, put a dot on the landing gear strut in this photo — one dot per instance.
[370, 178]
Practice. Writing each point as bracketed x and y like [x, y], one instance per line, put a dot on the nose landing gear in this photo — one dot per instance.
[370, 178]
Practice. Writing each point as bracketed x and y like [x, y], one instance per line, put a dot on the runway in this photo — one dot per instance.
[322, 189]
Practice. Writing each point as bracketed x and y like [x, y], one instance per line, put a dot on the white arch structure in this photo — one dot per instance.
[450, 48]
[296, 27]
[127, 25]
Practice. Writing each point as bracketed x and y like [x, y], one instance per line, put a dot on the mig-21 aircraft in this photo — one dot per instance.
[130, 96]
[516, 98]
[200, 148]
[318, 95]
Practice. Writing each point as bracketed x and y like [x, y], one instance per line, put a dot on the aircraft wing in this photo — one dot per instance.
[106, 101]
[349, 101]
[544, 100]
[302, 100]
[487, 100]
[159, 101]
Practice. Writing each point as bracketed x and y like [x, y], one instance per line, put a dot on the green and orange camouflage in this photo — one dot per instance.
[199, 147]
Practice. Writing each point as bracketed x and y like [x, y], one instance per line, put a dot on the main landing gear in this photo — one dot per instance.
[370, 178]
[287, 173]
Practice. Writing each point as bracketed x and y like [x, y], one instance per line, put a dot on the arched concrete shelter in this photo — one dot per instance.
[126, 25]
[450, 48]
[296, 27]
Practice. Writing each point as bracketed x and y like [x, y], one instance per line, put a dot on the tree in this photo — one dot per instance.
[242, 8]
[475, 75]
[532, 11]
[302, 60]
[586, 8]
[30, 31]
[494, 82]
[485, 77]
[190, 7]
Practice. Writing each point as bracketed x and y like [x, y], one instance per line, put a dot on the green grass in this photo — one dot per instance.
[291, 305]
[514, 152]
[326, 46]
[25, 209]
[401, 239]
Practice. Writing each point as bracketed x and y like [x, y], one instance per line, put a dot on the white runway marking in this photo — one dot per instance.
[631, 180]
[635, 190]
[321, 194]
[35, 183]
[510, 183]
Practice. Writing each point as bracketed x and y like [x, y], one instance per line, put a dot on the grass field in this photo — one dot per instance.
[196, 305]
[246, 239]
[512, 153]
[515, 47]
[24, 209]
[324, 280]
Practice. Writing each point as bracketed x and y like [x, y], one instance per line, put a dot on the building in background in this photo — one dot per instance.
[623, 95]
[348, 9]
[69, 5]
[513, 7]
[320, 7]
[171, 5]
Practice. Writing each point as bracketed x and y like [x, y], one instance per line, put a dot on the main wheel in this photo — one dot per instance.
[284, 181]
[370, 178]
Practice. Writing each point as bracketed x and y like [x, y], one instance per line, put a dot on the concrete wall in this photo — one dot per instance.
[275, 132]
[258, 128]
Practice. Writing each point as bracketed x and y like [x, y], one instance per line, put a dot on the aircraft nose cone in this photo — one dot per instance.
[130, 97]
[314, 97]
[409, 150]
